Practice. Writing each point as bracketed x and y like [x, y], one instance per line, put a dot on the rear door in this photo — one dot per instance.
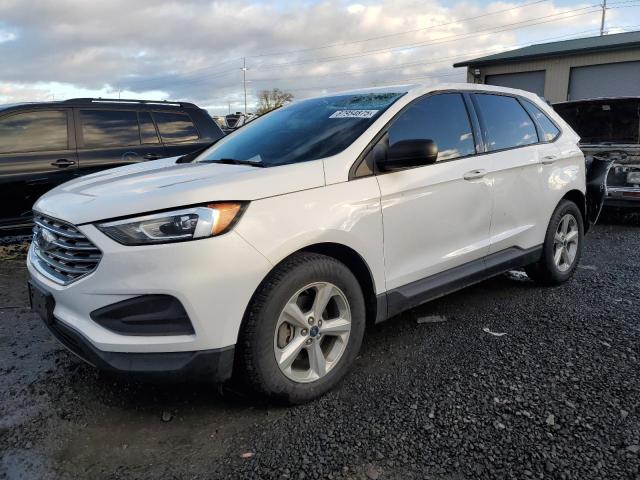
[113, 138]
[513, 160]
[179, 133]
[37, 152]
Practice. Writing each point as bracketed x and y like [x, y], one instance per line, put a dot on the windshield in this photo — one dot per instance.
[603, 121]
[303, 131]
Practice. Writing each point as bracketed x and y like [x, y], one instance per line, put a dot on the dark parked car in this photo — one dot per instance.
[45, 144]
[610, 125]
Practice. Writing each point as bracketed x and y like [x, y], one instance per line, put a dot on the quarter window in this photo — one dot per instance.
[549, 130]
[505, 123]
[34, 132]
[442, 118]
[175, 127]
[109, 128]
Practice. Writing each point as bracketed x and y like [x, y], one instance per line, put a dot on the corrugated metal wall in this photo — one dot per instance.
[622, 80]
[530, 81]
[557, 70]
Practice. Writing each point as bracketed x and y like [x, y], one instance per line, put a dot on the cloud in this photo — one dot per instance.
[193, 50]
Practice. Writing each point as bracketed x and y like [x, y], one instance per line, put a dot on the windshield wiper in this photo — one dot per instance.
[190, 157]
[235, 161]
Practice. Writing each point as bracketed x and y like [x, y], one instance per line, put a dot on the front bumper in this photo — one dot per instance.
[214, 365]
[213, 279]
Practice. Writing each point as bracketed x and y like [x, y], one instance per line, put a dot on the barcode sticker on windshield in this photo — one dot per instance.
[354, 114]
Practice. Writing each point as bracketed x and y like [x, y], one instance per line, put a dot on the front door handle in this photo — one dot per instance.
[549, 159]
[151, 156]
[63, 163]
[473, 174]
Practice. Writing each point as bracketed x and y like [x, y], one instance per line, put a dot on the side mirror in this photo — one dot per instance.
[409, 153]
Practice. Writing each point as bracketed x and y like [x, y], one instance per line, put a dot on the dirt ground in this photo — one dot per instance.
[434, 394]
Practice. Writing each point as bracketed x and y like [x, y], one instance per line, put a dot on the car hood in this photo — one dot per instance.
[162, 184]
[603, 121]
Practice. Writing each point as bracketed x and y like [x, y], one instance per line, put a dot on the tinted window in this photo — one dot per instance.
[442, 118]
[34, 131]
[549, 130]
[175, 127]
[148, 132]
[107, 128]
[506, 124]
[303, 131]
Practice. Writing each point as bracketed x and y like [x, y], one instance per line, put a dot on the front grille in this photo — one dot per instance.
[61, 252]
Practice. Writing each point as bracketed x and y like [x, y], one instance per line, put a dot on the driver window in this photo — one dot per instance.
[442, 118]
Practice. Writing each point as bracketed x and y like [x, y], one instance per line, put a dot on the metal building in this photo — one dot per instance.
[605, 66]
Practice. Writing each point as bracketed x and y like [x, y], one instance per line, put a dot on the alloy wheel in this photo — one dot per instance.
[565, 242]
[312, 332]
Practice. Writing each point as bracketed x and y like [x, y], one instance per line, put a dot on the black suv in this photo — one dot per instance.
[610, 126]
[45, 144]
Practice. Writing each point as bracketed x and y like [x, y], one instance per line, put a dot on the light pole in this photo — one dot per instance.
[244, 82]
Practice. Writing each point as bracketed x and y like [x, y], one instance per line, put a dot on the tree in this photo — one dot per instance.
[271, 99]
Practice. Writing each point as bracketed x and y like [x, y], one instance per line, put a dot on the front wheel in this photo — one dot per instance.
[562, 247]
[303, 329]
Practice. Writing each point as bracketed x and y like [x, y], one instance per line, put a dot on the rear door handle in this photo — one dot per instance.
[549, 159]
[473, 174]
[151, 156]
[63, 163]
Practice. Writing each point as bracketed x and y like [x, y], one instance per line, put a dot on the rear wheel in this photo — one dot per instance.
[303, 329]
[562, 247]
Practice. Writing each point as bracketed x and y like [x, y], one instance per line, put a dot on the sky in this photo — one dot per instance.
[194, 50]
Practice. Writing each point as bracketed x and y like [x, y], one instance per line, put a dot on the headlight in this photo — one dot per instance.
[174, 226]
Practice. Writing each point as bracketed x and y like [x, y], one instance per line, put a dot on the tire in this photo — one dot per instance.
[269, 333]
[548, 271]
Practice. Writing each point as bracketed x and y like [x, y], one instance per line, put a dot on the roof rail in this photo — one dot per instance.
[127, 100]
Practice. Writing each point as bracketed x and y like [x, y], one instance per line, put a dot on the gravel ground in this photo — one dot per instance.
[501, 380]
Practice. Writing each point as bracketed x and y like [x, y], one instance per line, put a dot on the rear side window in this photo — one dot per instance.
[148, 132]
[442, 118]
[504, 122]
[175, 127]
[34, 132]
[109, 128]
[549, 131]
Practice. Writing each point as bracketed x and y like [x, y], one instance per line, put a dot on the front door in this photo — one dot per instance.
[436, 217]
[37, 153]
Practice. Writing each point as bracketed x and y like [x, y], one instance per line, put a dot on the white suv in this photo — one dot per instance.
[267, 253]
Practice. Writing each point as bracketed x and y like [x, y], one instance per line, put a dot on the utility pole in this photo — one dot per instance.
[604, 14]
[244, 82]
[229, 104]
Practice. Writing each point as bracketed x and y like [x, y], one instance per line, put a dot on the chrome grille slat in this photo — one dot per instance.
[84, 246]
[65, 257]
[61, 252]
[60, 266]
[56, 228]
